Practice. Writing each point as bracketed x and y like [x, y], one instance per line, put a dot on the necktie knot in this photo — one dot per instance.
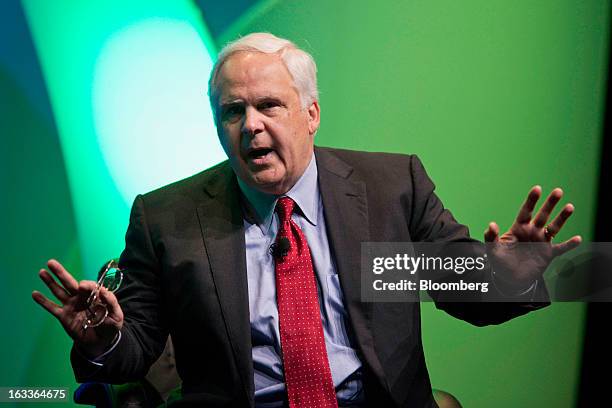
[284, 208]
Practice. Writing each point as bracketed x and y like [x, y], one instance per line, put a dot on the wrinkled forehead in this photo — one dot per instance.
[249, 71]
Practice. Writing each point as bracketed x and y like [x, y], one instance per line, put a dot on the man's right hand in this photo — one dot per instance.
[72, 313]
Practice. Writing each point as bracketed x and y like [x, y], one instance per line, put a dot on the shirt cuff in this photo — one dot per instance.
[99, 360]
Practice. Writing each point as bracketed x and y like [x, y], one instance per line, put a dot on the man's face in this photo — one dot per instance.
[261, 124]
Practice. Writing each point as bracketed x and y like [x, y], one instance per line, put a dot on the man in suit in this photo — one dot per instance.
[253, 266]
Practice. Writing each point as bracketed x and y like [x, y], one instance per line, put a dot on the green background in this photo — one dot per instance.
[493, 96]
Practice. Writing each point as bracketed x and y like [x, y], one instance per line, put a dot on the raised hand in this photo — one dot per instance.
[72, 311]
[518, 263]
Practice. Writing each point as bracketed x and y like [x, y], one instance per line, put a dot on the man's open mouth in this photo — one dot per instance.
[259, 154]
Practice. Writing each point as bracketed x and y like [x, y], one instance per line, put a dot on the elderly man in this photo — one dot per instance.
[253, 266]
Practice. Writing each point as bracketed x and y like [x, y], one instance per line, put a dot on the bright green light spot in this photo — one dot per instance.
[128, 84]
[152, 118]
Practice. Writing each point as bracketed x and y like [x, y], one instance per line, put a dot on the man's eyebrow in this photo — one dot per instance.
[238, 101]
[269, 98]
[231, 102]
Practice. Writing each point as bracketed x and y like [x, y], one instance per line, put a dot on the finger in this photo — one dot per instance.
[555, 226]
[84, 290]
[64, 277]
[58, 291]
[114, 310]
[492, 233]
[524, 215]
[50, 306]
[87, 286]
[563, 247]
[542, 216]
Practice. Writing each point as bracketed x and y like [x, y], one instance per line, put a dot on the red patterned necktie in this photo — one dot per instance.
[307, 374]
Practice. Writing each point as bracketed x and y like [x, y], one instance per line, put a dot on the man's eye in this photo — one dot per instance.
[231, 112]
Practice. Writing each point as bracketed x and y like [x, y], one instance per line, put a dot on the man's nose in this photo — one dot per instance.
[253, 122]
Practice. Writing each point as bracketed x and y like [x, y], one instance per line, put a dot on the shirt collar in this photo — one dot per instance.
[260, 206]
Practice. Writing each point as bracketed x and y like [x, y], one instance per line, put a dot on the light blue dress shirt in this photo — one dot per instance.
[261, 226]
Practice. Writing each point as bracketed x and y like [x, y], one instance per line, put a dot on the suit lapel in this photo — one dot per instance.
[346, 218]
[223, 232]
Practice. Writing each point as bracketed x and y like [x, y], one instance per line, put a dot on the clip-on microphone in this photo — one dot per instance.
[281, 248]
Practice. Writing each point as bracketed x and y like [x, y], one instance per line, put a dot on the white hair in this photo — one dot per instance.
[299, 63]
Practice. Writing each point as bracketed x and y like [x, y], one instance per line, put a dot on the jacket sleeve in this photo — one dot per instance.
[145, 331]
[431, 222]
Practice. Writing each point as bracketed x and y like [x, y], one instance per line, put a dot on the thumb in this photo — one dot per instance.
[114, 310]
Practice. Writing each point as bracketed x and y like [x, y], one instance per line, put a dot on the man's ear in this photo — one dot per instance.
[314, 117]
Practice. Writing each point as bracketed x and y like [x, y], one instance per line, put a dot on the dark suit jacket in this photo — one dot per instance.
[186, 275]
